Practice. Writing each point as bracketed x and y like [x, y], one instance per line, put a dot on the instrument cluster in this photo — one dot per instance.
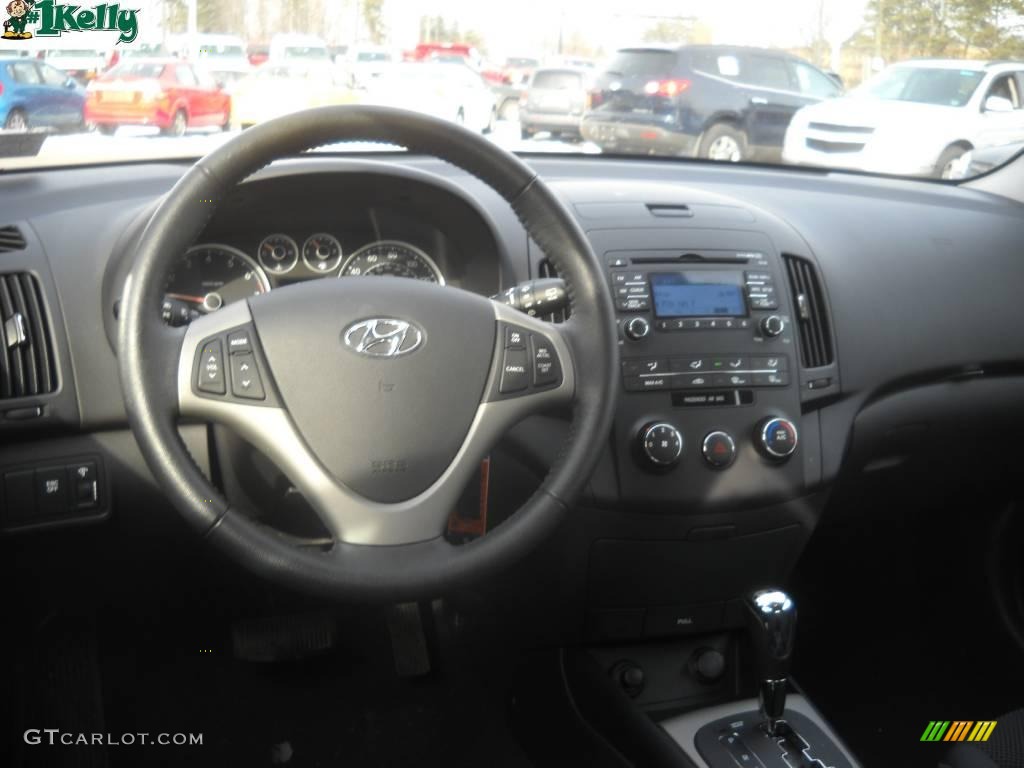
[211, 275]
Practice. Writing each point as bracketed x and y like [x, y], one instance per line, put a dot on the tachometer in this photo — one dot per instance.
[321, 253]
[206, 278]
[392, 258]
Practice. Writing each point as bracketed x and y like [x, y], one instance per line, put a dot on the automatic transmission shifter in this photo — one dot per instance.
[771, 621]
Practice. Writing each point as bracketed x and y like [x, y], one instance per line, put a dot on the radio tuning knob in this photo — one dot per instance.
[661, 444]
[772, 325]
[637, 328]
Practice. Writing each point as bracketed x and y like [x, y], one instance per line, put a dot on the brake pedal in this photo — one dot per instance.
[284, 638]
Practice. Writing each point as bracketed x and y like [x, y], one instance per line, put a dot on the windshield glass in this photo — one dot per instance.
[931, 90]
[946, 87]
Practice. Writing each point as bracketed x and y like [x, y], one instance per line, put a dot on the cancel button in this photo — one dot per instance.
[683, 619]
[514, 372]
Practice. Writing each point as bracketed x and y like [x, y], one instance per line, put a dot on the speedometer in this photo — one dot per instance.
[392, 258]
[206, 278]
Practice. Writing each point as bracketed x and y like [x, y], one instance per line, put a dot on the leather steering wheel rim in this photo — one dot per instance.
[149, 354]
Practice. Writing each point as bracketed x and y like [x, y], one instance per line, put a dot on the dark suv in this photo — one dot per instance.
[719, 102]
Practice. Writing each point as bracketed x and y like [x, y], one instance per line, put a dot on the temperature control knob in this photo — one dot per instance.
[661, 443]
[772, 326]
[777, 438]
[636, 328]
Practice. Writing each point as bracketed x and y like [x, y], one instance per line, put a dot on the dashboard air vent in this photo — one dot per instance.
[812, 314]
[547, 269]
[27, 359]
[11, 239]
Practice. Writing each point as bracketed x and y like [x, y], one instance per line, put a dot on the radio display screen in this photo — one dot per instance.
[698, 294]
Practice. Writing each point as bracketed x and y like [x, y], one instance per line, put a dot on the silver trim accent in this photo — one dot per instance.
[322, 236]
[261, 276]
[16, 331]
[764, 438]
[348, 516]
[683, 729]
[646, 433]
[418, 251]
[273, 269]
[383, 337]
[704, 448]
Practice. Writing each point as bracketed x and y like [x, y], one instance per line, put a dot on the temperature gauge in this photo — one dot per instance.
[321, 253]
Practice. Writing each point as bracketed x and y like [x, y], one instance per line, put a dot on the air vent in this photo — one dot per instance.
[547, 269]
[27, 364]
[11, 239]
[812, 314]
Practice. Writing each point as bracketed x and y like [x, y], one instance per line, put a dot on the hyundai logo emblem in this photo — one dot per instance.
[383, 337]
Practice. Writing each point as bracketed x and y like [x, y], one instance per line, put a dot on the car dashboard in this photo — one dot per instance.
[779, 331]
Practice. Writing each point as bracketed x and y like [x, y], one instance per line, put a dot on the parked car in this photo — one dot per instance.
[554, 102]
[223, 57]
[166, 93]
[300, 48]
[451, 91]
[35, 95]
[365, 62]
[137, 50]
[446, 53]
[917, 118]
[978, 161]
[518, 69]
[258, 54]
[277, 89]
[83, 64]
[718, 102]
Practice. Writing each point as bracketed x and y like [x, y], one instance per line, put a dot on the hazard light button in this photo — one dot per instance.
[719, 449]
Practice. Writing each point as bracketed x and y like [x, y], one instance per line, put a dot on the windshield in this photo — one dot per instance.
[932, 90]
[946, 87]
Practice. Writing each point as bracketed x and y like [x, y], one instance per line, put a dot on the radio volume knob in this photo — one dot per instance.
[661, 444]
[637, 328]
[772, 326]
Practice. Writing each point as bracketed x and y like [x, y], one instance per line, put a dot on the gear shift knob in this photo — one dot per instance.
[771, 622]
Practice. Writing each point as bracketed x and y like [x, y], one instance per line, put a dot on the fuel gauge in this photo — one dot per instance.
[278, 254]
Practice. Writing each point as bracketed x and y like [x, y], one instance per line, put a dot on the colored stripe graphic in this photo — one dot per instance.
[935, 730]
[958, 730]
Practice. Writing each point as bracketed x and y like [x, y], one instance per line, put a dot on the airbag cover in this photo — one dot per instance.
[386, 426]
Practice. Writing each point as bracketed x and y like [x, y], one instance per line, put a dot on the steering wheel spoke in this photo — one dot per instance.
[224, 376]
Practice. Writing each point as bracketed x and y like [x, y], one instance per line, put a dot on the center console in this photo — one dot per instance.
[710, 404]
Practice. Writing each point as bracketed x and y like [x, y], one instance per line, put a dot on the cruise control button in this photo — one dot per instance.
[239, 341]
[515, 338]
[245, 378]
[514, 374]
[211, 368]
[546, 370]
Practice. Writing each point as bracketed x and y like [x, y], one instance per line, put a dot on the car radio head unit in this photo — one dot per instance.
[696, 293]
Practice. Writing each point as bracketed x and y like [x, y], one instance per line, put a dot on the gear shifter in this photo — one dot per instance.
[771, 621]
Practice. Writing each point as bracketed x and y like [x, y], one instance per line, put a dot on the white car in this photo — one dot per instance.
[291, 48]
[916, 118]
[451, 91]
[83, 64]
[223, 57]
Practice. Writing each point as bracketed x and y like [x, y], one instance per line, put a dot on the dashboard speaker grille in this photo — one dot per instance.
[547, 269]
[812, 314]
[27, 364]
[11, 239]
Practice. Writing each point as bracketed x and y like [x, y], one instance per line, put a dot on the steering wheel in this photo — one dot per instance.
[377, 398]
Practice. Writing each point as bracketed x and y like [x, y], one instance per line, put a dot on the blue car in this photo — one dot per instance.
[36, 95]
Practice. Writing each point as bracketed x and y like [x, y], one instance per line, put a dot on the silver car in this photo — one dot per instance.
[554, 102]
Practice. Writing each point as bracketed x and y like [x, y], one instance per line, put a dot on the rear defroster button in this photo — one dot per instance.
[546, 370]
[514, 374]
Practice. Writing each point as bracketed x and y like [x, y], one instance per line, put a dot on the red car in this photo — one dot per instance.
[167, 93]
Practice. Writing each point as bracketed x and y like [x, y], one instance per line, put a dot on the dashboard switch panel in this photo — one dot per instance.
[60, 490]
